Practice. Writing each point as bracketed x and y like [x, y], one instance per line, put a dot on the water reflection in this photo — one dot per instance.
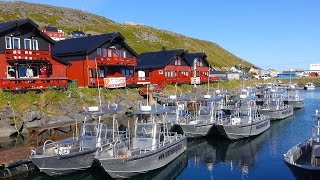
[233, 156]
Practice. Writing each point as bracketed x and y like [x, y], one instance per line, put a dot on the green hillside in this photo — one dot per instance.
[141, 38]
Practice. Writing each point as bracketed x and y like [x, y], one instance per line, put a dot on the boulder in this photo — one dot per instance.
[32, 116]
[7, 131]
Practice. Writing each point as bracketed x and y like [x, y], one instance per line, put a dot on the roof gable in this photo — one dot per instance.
[191, 56]
[12, 24]
[86, 44]
[156, 60]
[51, 28]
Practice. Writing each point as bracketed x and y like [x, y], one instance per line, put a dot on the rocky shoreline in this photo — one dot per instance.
[13, 122]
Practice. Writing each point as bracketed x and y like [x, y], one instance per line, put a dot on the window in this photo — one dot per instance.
[27, 44]
[127, 72]
[16, 43]
[124, 54]
[109, 52]
[104, 52]
[102, 72]
[98, 51]
[177, 62]
[35, 44]
[160, 71]
[8, 43]
[93, 73]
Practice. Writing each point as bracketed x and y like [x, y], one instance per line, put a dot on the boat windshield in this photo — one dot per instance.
[146, 130]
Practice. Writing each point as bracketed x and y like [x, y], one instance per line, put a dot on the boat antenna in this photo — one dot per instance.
[176, 86]
[208, 79]
[147, 94]
[97, 77]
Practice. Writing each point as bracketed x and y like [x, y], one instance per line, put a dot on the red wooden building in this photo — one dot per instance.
[25, 56]
[53, 32]
[100, 60]
[172, 66]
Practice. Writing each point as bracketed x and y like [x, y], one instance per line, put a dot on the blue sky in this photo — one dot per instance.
[280, 34]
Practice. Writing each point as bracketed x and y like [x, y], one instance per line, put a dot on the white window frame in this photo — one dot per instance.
[160, 71]
[8, 39]
[30, 44]
[13, 42]
[35, 45]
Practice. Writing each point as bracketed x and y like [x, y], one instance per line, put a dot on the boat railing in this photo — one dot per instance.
[296, 152]
[138, 151]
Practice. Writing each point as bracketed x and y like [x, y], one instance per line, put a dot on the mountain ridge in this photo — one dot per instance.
[140, 37]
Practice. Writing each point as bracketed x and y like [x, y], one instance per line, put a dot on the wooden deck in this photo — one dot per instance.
[56, 131]
[14, 156]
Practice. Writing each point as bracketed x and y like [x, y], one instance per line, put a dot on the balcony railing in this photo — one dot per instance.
[129, 81]
[27, 54]
[117, 60]
[32, 83]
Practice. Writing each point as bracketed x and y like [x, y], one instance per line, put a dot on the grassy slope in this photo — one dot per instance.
[71, 19]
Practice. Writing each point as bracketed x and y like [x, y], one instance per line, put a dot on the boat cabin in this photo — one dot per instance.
[26, 60]
[150, 127]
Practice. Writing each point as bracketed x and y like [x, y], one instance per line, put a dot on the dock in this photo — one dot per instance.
[14, 162]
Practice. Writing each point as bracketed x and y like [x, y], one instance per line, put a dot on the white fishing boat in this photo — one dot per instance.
[73, 154]
[309, 86]
[303, 159]
[151, 147]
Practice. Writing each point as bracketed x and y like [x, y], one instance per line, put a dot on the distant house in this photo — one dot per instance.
[218, 75]
[77, 34]
[162, 67]
[287, 75]
[53, 32]
[104, 60]
[173, 66]
[256, 71]
[200, 65]
[233, 75]
[25, 58]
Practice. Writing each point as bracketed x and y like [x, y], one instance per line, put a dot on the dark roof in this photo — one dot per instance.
[51, 28]
[156, 60]
[11, 24]
[77, 32]
[85, 45]
[217, 72]
[191, 56]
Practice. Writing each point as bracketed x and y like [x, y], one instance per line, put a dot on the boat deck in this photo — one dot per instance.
[304, 159]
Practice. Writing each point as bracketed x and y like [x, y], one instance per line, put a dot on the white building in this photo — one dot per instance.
[314, 67]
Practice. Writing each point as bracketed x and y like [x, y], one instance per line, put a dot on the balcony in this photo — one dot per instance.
[32, 83]
[114, 57]
[22, 54]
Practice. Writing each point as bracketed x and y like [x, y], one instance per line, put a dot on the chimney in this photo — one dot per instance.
[164, 48]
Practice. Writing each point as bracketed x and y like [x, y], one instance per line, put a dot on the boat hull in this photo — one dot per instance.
[300, 166]
[196, 131]
[295, 104]
[61, 165]
[303, 173]
[135, 165]
[234, 132]
[277, 114]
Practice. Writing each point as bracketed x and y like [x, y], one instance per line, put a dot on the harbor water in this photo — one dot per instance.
[260, 157]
